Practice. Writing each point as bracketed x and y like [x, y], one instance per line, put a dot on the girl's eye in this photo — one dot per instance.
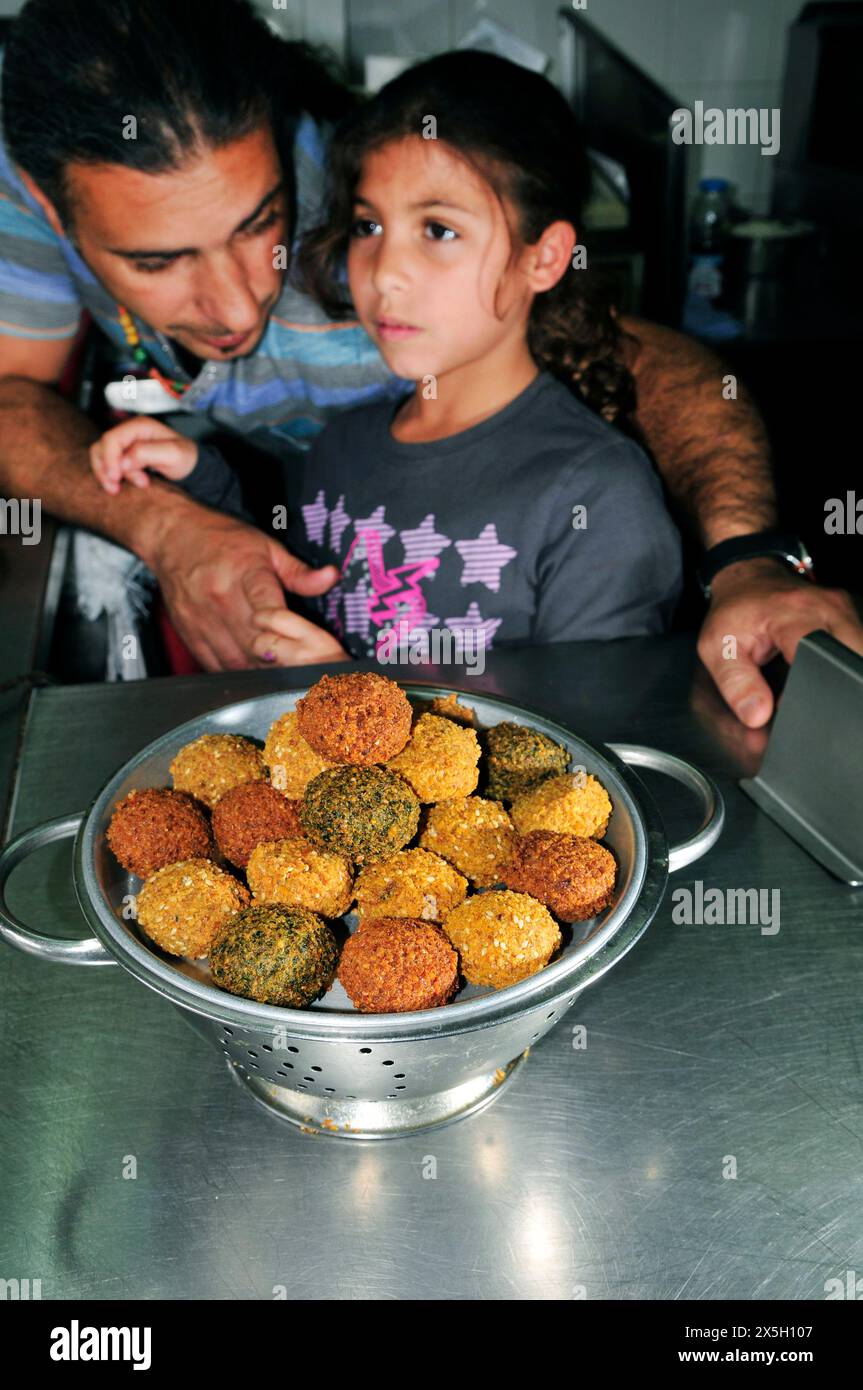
[152, 267]
[438, 232]
[364, 226]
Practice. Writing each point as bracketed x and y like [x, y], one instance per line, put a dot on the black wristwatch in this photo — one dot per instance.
[778, 544]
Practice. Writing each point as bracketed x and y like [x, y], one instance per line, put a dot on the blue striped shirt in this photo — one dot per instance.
[305, 369]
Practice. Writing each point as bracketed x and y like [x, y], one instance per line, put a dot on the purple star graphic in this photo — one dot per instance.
[339, 519]
[315, 518]
[423, 542]
[484, 558]
[375, 522]
[357, 609]
[485, 628]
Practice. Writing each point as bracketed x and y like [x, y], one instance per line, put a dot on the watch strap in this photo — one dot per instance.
[781, 545]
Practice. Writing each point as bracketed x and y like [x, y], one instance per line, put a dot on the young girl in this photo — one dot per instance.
[496, 502]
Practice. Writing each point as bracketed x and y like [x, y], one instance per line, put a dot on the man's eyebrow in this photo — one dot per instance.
[138, 255]
[424, 203]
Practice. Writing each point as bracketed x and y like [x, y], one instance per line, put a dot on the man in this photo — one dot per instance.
[156, 157]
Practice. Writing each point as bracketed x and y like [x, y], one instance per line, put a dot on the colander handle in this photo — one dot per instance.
[75, 950]
[637, 755]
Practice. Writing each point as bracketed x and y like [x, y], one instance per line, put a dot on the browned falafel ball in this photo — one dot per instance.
[451, 708]
[575, 804]
[184, 906]
[296, 872]
[520, 757]
[357, 718]
[410, 883]
[440, 759]
[359, 812]
[571, 874]
[278, 955]
[292, 762]
[158, 826]
[248, 815]
[214, 763]
[502, 937]
[397, 964]
[474, 835]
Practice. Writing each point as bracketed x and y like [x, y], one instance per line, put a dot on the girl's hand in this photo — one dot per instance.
[287, 639]
[128, 450]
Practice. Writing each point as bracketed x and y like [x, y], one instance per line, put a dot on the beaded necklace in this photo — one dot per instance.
[177, 389]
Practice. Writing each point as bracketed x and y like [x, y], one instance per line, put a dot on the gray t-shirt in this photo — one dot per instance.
[541, 524]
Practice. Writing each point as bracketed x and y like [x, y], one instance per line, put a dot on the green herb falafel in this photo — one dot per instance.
[284, 956]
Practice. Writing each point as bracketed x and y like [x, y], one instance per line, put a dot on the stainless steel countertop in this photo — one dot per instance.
[597, 1173]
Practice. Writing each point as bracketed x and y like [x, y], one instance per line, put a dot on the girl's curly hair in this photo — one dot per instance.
[517, 130]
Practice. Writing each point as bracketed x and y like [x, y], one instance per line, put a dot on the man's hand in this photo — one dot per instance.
[766, 610]
[215, 572]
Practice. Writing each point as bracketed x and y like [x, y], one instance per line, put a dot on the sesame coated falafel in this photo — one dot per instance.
[440, 759]
[296, 872]
[474, 835]
[502, 937]
[575, 804]
[571, 874]
[292, 762]
[360, 718]
[519, 757]
[359, 812]
[248, 815]
[284, 956]
[158, 826]
[396, 964]
[183, 907]
[410, 883]
[214, 763]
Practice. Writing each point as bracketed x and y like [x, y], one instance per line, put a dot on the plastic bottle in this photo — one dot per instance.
[709, 228]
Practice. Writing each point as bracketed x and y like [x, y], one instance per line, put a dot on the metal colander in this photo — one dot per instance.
[329, 1068]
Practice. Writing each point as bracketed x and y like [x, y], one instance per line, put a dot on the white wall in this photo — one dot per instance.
[727, 53]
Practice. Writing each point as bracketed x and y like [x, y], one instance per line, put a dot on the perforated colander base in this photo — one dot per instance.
[375, 1119]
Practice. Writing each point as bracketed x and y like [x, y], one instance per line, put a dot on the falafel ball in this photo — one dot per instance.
[292, 762]
[214, 763]
[440, 759]
[410, 883]
[575, 804]
[474, 835]
[519, 758]
[358, 718]
[359, 812]
[276, 955]
[184, 906]
[397, 964]
[248, 815]
[450, 707]
[502, 937]
[571, 874]
[158, 826]
[296, 872]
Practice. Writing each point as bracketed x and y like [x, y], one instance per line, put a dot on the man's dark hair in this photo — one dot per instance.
[193, 73]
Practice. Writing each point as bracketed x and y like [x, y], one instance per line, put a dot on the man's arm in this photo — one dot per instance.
[713, 453]
[715, 458]
[214, 571]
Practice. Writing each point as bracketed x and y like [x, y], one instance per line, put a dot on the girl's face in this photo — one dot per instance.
[430, 262]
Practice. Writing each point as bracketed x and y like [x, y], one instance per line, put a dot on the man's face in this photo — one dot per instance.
[190, 252]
